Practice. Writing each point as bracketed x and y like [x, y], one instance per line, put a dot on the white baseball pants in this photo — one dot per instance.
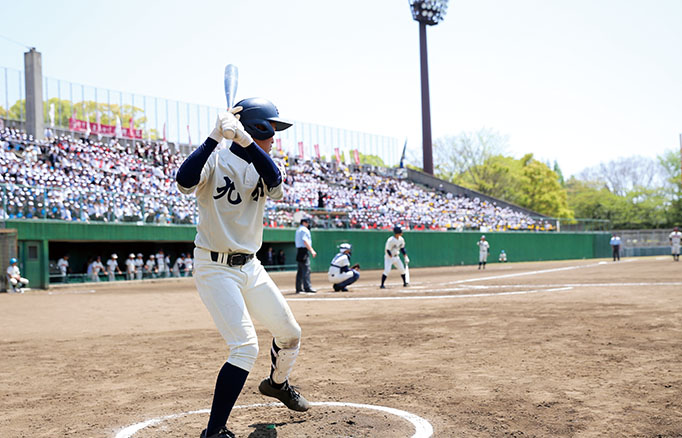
[393, 261]
[233, 295]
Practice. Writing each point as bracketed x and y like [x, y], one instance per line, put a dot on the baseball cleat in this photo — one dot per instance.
[222, 433]
[382, 287]
[287, 395]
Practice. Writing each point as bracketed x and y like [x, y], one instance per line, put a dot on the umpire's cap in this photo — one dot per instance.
[256, 115]
[397, 230]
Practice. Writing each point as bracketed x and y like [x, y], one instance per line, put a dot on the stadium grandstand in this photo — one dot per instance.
[76, 179]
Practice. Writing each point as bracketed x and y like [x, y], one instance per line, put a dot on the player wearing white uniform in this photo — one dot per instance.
[14, 276]
[675, 238]
[483, 248]
[139, 266]
[231, 186]
[112, 267]
[130, 267]
[395, 245]
[341, 274]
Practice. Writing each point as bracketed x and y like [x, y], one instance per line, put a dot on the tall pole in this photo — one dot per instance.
[426, 104]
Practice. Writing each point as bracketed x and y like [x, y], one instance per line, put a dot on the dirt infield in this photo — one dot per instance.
[555, 349]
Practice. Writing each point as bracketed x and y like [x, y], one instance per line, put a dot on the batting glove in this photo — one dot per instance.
[226, 125]
[407, 260]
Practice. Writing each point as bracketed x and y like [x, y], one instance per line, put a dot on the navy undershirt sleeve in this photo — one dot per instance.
[265, 166]
[402, 250]
[189, 173]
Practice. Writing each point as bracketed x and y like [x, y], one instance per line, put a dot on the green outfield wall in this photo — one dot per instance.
[40, 242]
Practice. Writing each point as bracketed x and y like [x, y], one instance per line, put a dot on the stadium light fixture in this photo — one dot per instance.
[427, 13]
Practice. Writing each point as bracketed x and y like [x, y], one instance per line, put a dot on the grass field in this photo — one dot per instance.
[587, 348]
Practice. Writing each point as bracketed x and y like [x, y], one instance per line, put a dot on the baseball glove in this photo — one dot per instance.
[355, 266]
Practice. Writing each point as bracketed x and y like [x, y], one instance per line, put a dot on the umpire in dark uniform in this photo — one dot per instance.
[304, 249]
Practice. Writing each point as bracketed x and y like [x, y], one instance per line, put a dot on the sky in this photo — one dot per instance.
[578, 82]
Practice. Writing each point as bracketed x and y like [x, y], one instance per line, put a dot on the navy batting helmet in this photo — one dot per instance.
[256, 115]
[397, 230]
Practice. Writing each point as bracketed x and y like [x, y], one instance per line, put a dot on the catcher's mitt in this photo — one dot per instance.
[355, 266]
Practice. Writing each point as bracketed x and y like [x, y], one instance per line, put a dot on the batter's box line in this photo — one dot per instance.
[422, 428]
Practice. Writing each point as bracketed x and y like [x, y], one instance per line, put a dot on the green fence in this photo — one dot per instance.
[435, 248]
[43, 241]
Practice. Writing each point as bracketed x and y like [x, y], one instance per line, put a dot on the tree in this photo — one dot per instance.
[541, 191]
[466, 153]
[624, 174]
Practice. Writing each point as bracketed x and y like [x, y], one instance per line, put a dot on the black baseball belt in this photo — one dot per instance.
[234, 259]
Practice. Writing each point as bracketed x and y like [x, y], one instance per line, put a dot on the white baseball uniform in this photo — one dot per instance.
[675, 239]
[483, 247]
[393, 246]
[340, 263]
[231, 201]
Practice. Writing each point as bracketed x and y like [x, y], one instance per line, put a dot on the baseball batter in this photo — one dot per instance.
[675, 238]
[395, 245]
[483, 248]
[341, 274]
[231, 185]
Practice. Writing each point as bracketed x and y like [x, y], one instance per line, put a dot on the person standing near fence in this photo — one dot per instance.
[675, 238]
[130, 267]
[63, 265]
[304, 249]
[139, 266]
[112, 267]
[615, 246]
[483, 249]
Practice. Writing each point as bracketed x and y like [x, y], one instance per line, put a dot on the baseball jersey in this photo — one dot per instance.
[112, 265]
[231, 201]
[394, 245]
[13, 271]
[130, 265]
[483, 246]
[340, 263]
[63, 265]
[676, 237]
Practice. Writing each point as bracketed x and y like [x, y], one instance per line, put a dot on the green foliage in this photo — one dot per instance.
[373, 160]
[526, 182]
[639, 208]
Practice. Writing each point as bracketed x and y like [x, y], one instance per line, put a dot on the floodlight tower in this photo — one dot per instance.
[426, 12]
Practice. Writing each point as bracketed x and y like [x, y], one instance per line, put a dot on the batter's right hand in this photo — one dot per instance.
[225, 126]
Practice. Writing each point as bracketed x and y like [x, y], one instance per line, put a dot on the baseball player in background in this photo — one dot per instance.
[341, 274]
[675, 238]
[112, 267]
[231, 185]
[139, 266]
[130, 267]
[483, 248]
[16, 281]
[395, 245]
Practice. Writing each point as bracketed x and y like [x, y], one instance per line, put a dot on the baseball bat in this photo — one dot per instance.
[231, 81]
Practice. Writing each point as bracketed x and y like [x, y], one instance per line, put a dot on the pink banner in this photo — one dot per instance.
[317, 151]
[278, 145]
[300, 150]
[356, 155]
[82, 126]
[338, 155]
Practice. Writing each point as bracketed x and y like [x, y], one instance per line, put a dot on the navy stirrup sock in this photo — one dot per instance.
[229, 384]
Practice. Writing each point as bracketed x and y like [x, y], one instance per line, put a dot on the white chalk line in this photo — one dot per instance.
[433, 297]
[422, 428]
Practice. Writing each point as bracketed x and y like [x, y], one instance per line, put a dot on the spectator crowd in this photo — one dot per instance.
[74, 179]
